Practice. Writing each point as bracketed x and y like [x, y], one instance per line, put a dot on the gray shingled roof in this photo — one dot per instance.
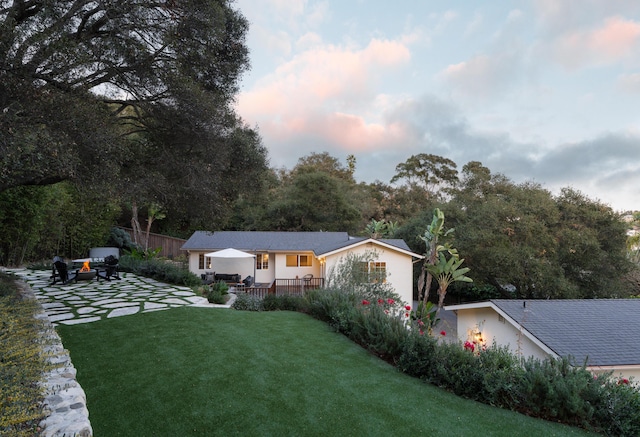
[267, 241]
[602, 331]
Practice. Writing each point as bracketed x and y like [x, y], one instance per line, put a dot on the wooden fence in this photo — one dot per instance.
[169, 246]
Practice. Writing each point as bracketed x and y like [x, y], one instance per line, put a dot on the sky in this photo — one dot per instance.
[544, 91]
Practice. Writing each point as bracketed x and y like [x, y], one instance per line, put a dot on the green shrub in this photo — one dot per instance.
[380, 327]
[159, 270]
[217, 292]
[247, 302]
[286, 302]
[618, 410]
[418, 355]
[335, 307]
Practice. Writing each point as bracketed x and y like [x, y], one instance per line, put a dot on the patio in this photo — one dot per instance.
[89, 301]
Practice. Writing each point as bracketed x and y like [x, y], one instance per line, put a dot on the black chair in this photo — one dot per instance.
[248, 281]
[110, 269]
[61, 272]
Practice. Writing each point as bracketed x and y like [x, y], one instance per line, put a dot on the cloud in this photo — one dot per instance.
[617, 39]
[484, 76]
[322, 95]
[556, 17]
[629, 83]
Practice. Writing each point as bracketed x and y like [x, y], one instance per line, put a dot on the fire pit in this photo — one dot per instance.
[85, 273]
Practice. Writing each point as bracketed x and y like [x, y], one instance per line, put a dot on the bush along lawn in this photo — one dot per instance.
[557, 390]
[554, 390]
[201, 371]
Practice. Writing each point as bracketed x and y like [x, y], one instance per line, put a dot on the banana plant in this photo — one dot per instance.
[447, 271]
[432, 234]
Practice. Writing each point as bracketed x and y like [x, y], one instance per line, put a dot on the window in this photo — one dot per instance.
[299, 261]
[262, 261]
[373, 272]
[305, 261]
[201, 262]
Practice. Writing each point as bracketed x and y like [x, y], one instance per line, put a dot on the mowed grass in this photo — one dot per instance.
[202, 371]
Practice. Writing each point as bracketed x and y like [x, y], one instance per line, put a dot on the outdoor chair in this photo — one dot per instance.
[248, 281]
[60, 272]
[110, 269]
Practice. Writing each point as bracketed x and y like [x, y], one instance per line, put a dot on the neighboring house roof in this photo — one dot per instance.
[321, 243]
[602, 331]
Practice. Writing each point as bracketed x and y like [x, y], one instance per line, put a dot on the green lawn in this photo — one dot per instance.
[202, 371]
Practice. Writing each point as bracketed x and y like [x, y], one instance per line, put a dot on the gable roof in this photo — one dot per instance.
[321, 243]
[602, 332]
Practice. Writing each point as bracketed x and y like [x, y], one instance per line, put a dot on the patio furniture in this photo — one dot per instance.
[60, 272]
[248, 281]
[109, 269]
[227, 277]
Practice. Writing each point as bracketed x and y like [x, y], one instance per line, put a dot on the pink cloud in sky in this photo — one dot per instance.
[319, 91]
[482, 76]
[615, 40]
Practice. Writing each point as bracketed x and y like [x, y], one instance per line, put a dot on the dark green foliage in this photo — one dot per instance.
[60, 219]
[556, 390]
[335, 307]
[159, 270]
[120, 238]
[286, 302]
[376, 328]
[552, 389]
[7, 284]
[217, 292]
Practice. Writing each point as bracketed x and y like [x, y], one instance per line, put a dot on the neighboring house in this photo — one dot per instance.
[601, 332]
[287, 256]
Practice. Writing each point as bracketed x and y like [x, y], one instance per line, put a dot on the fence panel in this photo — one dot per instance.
[169, 246]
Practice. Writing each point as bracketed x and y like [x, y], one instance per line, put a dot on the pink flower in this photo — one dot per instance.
[365, 302]
[421, 332]
[386, 311]
[443, 333]
[391, 301]
[380, 301]
[623, 381]
[407, 307]
[420, 322]
[469, 346]
[406, 314]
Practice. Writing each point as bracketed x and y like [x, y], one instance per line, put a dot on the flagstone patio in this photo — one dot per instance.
[89, 301]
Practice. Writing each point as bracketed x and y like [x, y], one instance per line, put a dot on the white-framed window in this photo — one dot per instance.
[262, 261]
[204, 262]
[374, 271]
[299, 261]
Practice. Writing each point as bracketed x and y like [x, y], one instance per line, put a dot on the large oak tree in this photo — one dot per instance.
[137, 92]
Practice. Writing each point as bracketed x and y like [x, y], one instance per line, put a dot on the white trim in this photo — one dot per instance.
[368, 241]
[513, 323]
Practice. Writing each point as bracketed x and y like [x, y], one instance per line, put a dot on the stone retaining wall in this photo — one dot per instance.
[65, 403]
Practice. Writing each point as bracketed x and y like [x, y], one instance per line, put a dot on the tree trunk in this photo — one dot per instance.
[135, 224]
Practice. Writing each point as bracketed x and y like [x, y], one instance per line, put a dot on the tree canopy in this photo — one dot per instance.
[136, 92]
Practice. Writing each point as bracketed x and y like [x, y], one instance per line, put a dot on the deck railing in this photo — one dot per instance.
[281, 287]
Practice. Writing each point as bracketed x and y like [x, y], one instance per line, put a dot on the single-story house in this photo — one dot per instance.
[601, 332]
[302, 257]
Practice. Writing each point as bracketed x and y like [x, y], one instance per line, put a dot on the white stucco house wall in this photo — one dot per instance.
[295, 255]
[601, 332]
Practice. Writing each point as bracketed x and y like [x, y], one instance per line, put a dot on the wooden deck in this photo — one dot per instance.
[281, 287]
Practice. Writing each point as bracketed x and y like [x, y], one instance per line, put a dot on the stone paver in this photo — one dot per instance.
[90, 301]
